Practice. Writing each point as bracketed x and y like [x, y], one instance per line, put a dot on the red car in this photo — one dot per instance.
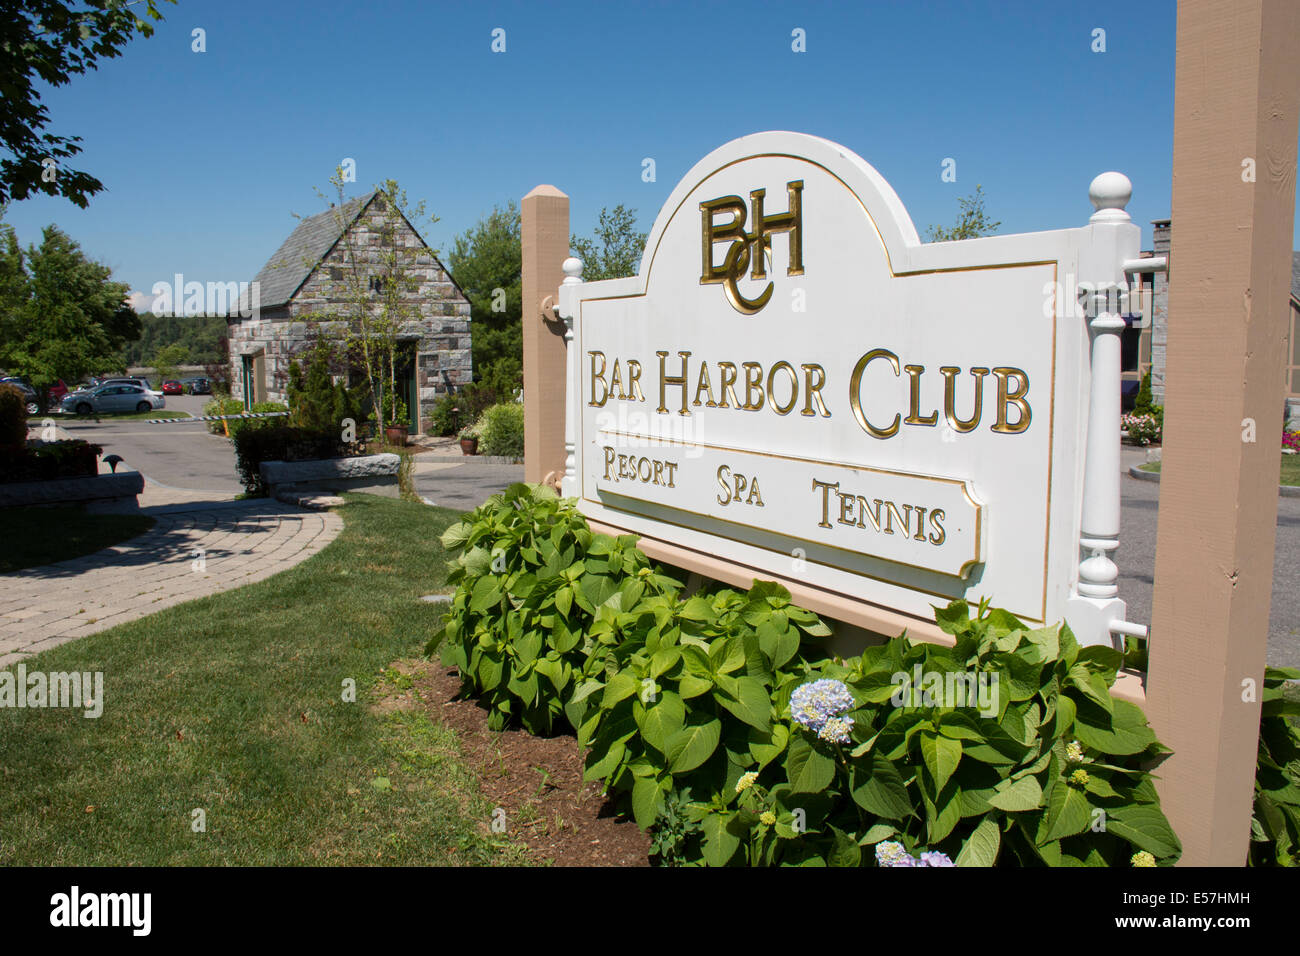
[173, 388]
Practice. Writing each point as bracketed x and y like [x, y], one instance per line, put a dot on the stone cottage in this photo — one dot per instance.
[293, 297]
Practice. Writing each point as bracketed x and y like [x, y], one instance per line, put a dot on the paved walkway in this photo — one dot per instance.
[194, 549]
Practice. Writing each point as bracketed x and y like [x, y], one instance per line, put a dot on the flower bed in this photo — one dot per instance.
[723, 726]
[49, 461]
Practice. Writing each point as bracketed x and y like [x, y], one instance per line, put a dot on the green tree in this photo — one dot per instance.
[487, 263]
[47, 42]
[614, 250]
[166, 361]
[972, 223]
[65, 317]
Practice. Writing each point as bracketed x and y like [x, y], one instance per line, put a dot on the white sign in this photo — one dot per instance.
[794, 383]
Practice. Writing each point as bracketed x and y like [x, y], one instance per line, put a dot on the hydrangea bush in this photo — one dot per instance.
[723, 726]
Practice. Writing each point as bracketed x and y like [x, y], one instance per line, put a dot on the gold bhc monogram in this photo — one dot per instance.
[746, 247]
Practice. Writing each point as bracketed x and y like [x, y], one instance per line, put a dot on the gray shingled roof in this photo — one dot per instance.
[293, 262]
[1295, 274]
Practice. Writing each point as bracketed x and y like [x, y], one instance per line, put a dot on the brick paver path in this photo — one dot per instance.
[187, 554]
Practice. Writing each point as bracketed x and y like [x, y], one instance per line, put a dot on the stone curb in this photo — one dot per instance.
[421, 457]
[1284, 491]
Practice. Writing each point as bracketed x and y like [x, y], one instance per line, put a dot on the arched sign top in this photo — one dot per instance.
[877, 200]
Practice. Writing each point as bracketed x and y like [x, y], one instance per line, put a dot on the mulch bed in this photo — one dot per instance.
[537, 781]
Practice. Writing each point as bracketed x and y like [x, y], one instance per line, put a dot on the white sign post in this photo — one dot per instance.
[795, 385]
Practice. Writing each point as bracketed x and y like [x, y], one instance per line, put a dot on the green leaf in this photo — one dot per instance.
[751, 703]
[621, 686]
[981, 847]
[720, 839]
[564, 600]
[1145, 827]
[878, 788]
[1124, 731]
[645, 801]
[1021, 795]
[845, 850]
[807, 770]
[941, 756]
[663, 720]
[484, 595]
[765, 747]
[692, 745]
[1068, 812]
[454, 538]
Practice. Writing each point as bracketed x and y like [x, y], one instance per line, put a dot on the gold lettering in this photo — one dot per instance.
[855, 393]
[920, 524]
[671, 466]
[665, 380]
[753, 382]
[826, 488]
[727, 385]
[914, 416]
[755, 496]
[609, 460]
[616, 382]
[598, 376]
[950, 374]
[634, 380]
[904, 518]
[723, 474]
[872, 515]
[846, 508]
[659, 470]
[935, 515]
[794, 388]
[704, 386]
[1008, 397]
[813, 390]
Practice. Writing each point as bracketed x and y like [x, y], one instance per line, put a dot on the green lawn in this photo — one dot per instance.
[1290, 474]
[36, 536]
[233, 705]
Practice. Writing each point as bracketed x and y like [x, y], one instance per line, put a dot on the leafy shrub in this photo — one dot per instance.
[536, 590]
[690, 694]
[13, 416]
[710, 716]
[279, 442]
[1142, 429]
[1142, 404]
[445, 418]
[1275, 823]
[58, 459]
[316, 402]
[222, 406]
[501, 430]
[1019, 777]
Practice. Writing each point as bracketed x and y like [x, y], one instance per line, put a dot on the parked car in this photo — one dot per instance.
[29, 393]
[173, 387]
[197, 386]
[113, 397]
[131, 380]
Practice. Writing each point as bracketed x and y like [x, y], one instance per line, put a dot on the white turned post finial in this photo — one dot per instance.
[1110, 193]
[572, 269]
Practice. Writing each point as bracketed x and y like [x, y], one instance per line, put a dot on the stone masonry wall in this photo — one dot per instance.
[441, 333]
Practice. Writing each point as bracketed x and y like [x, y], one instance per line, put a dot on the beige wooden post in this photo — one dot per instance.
[544, 229]
[1235, 114]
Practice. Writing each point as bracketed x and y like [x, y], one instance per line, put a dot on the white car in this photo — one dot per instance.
[113, 397]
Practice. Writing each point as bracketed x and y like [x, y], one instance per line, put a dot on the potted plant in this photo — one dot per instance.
[395, 421]
[469, 441]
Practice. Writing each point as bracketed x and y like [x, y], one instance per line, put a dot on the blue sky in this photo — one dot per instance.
[206, 155]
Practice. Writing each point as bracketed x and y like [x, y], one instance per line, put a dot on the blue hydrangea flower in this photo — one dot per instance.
[933, 858]
[812, 704]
